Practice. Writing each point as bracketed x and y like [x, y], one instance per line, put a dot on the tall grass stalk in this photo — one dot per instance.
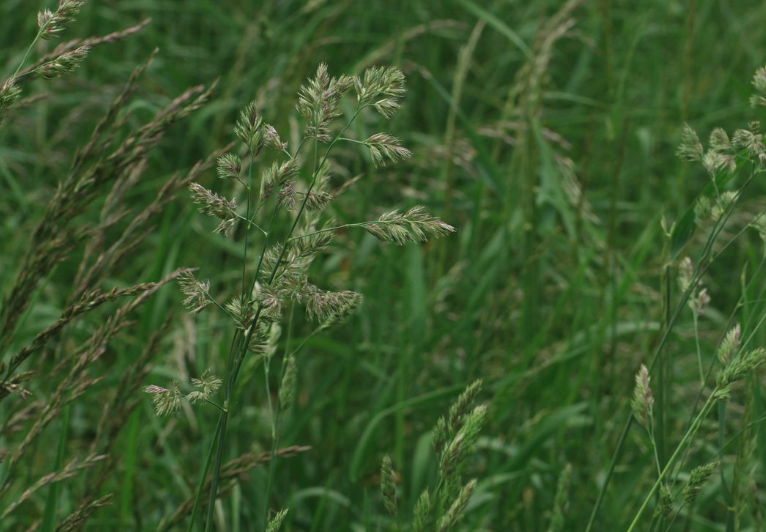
[280, 276]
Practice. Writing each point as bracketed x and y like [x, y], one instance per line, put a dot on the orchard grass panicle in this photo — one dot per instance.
[281, 226]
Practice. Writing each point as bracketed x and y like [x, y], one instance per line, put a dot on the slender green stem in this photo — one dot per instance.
[681, 446]
[266, 365]
[219, 407]
[695, 319]
[201, 486]
[610, 471]
[247, 220]
[217, 469]
[275, 422]
[29, 49]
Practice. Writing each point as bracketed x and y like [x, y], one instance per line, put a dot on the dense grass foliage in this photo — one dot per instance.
[545, 132]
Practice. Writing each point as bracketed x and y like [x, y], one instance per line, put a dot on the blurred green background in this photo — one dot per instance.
[544, 132]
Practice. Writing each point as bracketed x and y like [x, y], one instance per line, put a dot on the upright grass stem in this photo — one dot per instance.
[683, 444]
[379, 88]
[702, 265]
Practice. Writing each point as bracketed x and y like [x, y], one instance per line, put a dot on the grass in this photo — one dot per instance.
[545, 132]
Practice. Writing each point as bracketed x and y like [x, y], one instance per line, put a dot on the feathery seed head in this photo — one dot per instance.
[729, 344]
[276, 521]
[461, 408]
[166, 401]
[413, 226]
[697, 479]
[439, 435]
[456, 510]
[759, 79]
[643, 401]
[51, 23]
[422, 512]
[561, 500]
[66, 63]
[229, 166]
[277, 175]
[699, 301]
[241, 311]
[9, 93]
[317, 201]
[719, 140]
[749, 139]
[386, 148]
[715, 161]
[215, 205]
[737, 369]
[207, 383]
[44, 18]
[462, 444]
[311, 244]
[249, 128]
[319, 102]
[690, 148]
[386, 82]
[196, 292]
[286, 196]
[267, 339]
[665, 508]
[388, 485]
[322, 305]
[685, 273]
[271, 138]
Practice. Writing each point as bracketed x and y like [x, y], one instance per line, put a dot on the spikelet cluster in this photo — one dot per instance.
[214, 205]
[319, 102]
[168, 400]
[643, 400]
[51, 22]
[66, 63]
[698, 298]
[415, 225]
[9, 93]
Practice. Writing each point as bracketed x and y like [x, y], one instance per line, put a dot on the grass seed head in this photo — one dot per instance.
[215, 205]
[665, 507]
[690, 148]
[729, 345]
[249, 128]
[229, 166]
[196, 292]
[166, 401]
[66, 63]
[697, 479]
[9, 93]
[456, 510]
[643, 400]
[422, 512]
[388, 485]
[276, 522]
